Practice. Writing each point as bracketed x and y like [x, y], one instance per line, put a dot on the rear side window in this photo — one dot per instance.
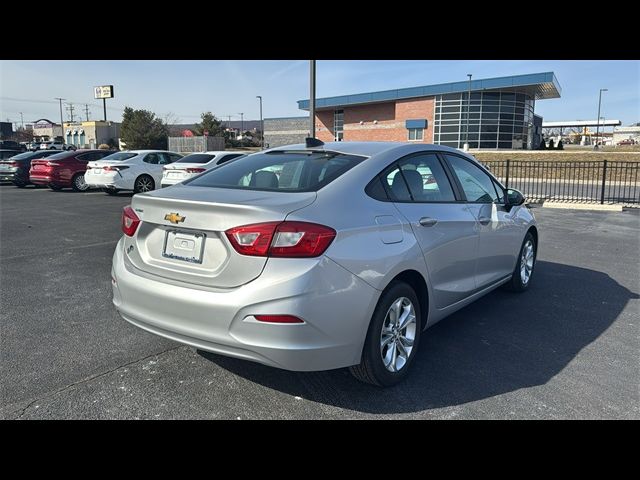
[151, 158]
[417, 178]
[196, 158]
[279, 171]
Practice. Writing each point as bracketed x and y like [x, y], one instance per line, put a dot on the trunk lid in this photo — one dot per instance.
[202, 215]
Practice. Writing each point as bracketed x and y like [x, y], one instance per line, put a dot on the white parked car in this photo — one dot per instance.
[137, 170]
[194, 164]
[56, 145]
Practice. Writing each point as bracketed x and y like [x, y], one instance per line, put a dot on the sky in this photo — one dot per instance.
[181, 90]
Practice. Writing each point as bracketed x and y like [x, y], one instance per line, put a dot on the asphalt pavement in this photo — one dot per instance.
[567, 348]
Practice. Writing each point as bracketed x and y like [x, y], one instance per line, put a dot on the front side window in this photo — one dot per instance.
[477, 185]
[279, 171]
[416, 134]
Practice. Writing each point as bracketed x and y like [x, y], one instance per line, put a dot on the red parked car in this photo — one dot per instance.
[65, 169]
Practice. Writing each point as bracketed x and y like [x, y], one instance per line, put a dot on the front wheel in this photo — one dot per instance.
[522, 274]
[144, 183]
[392, 339]
[78, 183]
[110, 191]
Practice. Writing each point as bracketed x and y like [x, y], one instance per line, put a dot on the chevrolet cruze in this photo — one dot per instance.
[320, 256]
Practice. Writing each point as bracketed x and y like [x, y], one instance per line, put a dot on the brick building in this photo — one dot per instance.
[500, 113]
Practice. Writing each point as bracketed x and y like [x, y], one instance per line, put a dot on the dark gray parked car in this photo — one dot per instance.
[16, 168]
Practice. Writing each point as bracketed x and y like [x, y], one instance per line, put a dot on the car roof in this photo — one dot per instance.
[137, 152]
[366, 149]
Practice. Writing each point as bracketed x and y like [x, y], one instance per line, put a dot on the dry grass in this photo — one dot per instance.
[558, 155]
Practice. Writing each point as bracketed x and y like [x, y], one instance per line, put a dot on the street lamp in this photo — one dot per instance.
[598, 122]
[466, 143]
[261, 124]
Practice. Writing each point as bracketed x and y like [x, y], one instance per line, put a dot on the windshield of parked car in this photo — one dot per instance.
[196, 158]
[119, 156]
[300, 171]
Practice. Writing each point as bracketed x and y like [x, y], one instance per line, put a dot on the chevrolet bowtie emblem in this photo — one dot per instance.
[174, 217]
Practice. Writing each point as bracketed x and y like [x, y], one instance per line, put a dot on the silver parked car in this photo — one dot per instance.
[321, 256]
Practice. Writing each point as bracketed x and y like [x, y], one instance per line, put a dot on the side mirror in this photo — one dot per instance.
[514, 198]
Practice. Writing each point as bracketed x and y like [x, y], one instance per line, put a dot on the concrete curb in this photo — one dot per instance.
[583, 206]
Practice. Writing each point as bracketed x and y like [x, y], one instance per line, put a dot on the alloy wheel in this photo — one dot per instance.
[398, 334]
[526, 262]
[145, 184]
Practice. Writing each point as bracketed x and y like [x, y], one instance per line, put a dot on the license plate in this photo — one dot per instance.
[174, 175]
[184, 246]
[96, 171]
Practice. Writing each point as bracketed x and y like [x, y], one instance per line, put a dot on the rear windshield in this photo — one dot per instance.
[279, 171]
[22, 156]
[196, 158]
[119, 156]
[58, 156]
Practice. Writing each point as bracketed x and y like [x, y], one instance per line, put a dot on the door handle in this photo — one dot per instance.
[428, 221]
[484, 220]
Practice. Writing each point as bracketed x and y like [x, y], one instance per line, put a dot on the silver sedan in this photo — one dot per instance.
[321, 256]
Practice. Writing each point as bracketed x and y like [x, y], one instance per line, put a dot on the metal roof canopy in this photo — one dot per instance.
[539, 85]
[582, 123]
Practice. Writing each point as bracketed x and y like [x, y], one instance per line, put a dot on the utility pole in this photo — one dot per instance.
[86, 110]
[598, 122]
[21, 120]
[261, 124]
[312, 98]
[241, 123]
[61, 120]
[70, 109]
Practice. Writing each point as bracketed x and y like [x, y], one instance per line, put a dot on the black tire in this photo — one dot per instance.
[372, 368]
[110, 191]
[517, 282]
[55, 188]
[20, 184]
[144, 183]
[82, 187]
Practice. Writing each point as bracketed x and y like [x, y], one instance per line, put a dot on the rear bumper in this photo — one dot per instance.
[106, 181]
[167, 182]
[335, 305]
[41, 179]
[7, 176]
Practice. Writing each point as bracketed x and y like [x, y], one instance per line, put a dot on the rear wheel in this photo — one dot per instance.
[522, 274]
[392, 339]
[144, 183]
[110, 191]
[78, 183]
[20, 184]
[55, 188]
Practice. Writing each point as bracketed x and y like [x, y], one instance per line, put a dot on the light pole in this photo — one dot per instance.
[312, 98]
[466, 143]
[61, 119]
[241, 123]
[261, 124]
[598, 122]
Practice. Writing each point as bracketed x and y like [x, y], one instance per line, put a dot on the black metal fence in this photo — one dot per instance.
[576, 181]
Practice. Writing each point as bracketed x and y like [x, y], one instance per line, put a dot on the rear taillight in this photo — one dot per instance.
[278, 319]
[53, 164]
[281, 239]
[195, 170]
[130, 221]
[10, 164]
[112, 168]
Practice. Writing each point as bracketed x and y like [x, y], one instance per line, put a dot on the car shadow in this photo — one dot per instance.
[500, 343]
